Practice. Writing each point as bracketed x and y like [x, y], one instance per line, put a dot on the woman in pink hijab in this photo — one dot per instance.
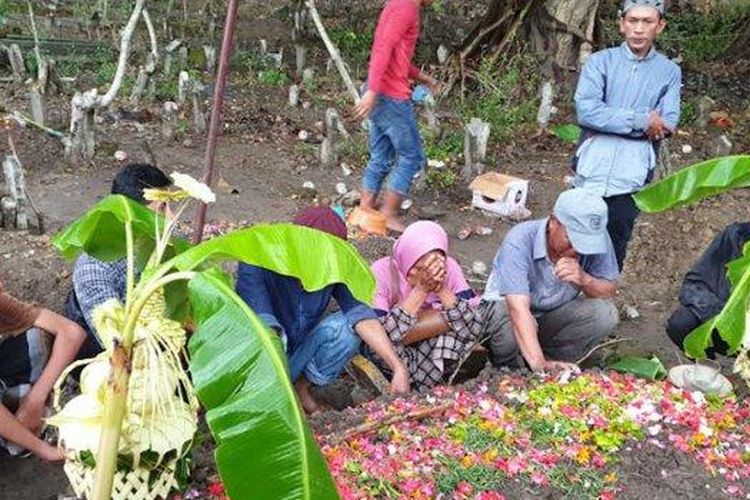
[425, 304]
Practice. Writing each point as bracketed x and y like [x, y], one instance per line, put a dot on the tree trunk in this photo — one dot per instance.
[561, 30]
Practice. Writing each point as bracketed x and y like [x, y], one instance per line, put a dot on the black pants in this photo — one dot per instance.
[683, 322]
[622, 216]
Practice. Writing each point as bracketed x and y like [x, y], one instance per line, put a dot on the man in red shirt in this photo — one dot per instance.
[395, 146]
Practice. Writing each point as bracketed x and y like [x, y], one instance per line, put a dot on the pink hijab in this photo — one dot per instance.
[390, 273]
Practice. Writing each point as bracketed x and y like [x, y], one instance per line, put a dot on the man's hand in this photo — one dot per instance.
[657, 127]
[555, 366]
[435, 87]
[568, 270]
[400, 382]
[365, 106]
[30, 413]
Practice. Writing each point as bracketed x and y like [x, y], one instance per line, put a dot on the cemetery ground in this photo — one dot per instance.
[262, 164]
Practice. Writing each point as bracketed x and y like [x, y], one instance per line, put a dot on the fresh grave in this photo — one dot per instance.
[509, 436]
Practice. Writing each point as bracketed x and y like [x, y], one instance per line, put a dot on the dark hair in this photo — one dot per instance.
[132, 179]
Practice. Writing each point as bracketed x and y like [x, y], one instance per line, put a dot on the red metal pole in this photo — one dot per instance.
[213, 132]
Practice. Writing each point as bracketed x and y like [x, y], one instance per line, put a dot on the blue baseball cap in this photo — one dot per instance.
[584, 216]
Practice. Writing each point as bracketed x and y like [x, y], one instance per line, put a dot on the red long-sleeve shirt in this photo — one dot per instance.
[393, 48]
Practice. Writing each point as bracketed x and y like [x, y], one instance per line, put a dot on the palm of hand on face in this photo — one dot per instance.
[428, 274]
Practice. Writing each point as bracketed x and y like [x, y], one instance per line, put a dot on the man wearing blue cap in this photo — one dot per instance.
[547, 299]
[627, 100]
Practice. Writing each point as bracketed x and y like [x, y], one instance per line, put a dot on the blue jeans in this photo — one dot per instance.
[395, 146]
[324, 353]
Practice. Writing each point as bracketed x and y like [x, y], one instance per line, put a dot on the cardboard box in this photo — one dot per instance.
[499, 194]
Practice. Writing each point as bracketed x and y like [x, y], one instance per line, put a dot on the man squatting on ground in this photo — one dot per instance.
[317, 347]
[706, 289]
[22, 361]
[95, 281]
[395, 145]
[627, 100]
[547, 300]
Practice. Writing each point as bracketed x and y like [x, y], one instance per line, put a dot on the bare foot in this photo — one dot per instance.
[395, 224]
[309, 403]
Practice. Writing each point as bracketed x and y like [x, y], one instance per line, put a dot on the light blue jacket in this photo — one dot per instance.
[615, 94]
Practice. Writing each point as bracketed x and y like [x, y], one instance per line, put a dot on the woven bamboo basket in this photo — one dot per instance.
[140, 484]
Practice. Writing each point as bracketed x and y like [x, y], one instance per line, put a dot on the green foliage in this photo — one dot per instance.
[246, 61]
[273, 77]
[166, 90]
[695, 183]
[240, 372]
[689, 112]
[444, 148]
[582, 483]
[288, 249]
[692, 185]
[250, 65]
[441, 178]
[238, 365]
[506, 96]
[481, 477]
[699, 37]
[568, 133]
[182, 127]
[652, 369]
[731, 321]
[354, 46]
[102, 63]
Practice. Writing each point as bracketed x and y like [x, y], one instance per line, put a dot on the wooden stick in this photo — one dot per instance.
[420, 414]
[601, 346]
[37, 53]
[465, 358]
[332, 50]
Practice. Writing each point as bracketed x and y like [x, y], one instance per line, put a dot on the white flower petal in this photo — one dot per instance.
[194, 188]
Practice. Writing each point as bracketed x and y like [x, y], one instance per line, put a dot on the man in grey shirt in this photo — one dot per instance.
[547, 299]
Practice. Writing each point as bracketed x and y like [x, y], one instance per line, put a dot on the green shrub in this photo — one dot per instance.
[689, 112]
[445, 148]
[355, 47]
[441, 178]
[506, 96]
[273, 77]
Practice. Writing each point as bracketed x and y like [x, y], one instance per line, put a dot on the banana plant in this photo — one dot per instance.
[265, 448]
[689, 186]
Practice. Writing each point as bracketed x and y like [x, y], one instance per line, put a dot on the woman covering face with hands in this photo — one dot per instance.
[425, 304]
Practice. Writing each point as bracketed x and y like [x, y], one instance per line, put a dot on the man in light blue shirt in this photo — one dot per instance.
[627, 100]
[547, 299]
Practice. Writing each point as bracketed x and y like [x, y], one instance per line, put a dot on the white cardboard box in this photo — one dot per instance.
[499, 194]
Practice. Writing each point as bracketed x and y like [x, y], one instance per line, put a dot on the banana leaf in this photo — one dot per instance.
[316, 258]
[100, 232]
[264, 446]
[696, 183]
[730, 323]
[568, 133]
[652, 369]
